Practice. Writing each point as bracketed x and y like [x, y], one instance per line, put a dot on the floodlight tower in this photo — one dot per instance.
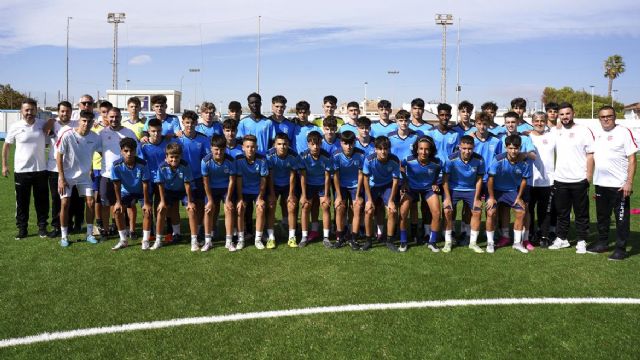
[444, 20]
[115, 19]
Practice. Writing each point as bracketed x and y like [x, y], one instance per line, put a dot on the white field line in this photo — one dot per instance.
[61, 335]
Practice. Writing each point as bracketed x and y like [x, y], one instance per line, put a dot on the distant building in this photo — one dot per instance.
[632, 111]
[119, 98]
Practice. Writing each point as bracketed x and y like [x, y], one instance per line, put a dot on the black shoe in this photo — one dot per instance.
[338, 244]
[463, 241]
[552, 235]
[544, 242]
[354, 245]
[112, 230]
[104, 234]
[367, 245]
[391, 246]
[597, 248]
[419, 241]
[382, 239]
[22, 233]
[132, 235]
[42, 232]
[53, 234]
[618, 255]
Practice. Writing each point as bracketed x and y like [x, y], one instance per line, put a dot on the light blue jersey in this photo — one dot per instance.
[348, 167]
[524, 126]
[421, 176]
[497, 130]
[446, 142]
[131, 178]
[218, 173]
[379, 129]
[300, 135]
[286, 127]
[381, 173]
[463, 175]
[251, 173]
[155, 154]
[174, 179]
[194, 149]
[507, 176]
[368, 149]
[461, 130]
[488, 149]
[423, 129]
[215, 128]
[281, 167]
[402, 146]
[315, 168]
[525, 146]
[349, 127]
[262, 128]
[234, 151]
[170, 125]
[331, 147]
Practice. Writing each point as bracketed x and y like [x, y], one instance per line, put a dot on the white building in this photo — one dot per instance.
[119, 98]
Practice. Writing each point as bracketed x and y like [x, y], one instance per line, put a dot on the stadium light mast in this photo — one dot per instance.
[115, 19]
[195, 96]
[393, 91]
[258, 58]
[444, 20]
[67, 54]
[458, 87]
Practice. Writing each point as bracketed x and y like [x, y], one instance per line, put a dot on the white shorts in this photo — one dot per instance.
[84, 186]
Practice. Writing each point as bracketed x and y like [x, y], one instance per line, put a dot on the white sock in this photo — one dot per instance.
[235, 232]
[325, 233]
[64, 232]
[379, 228]
[194, 239]
[474, 236]
[517, 236]
[159, 239]
[207, 239]
[292, 233]
[146, 234]
[305, 234]
[315, 226]
[228, 238]
[258, 236]
[448, 236]
[176, 229]
[270, 234]
[490, 236]
[123, 235]
[241, 236]
[504, 232]
[89, 229]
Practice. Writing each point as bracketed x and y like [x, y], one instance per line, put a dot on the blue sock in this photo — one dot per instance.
[403, 236]
[433, 237]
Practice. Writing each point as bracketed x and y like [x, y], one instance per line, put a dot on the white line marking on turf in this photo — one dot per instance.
[61, 335]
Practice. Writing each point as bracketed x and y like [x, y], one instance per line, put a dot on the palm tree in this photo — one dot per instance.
[613, 67]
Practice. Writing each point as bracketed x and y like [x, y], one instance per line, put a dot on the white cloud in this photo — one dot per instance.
[140, 60]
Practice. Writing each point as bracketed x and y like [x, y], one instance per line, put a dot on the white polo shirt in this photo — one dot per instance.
[572, 147]
[30, 143]
[111, 147]
[611, 151]
[77, 151]
[543, 165]
[57, 130]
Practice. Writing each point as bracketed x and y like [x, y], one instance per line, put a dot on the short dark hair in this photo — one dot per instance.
[89, 115]
[363, 121]
[190, 114]
[330, 99]
[314, 137]
[403, 114]
[551, 106]
[279, 99]
[254, 95]
[250, 137]
[218, 141]
[134, 100]
[607, 107]
[514, 140]
[158, 99]
[29, 101]
[564, 105]
[426, 139]
[382, 142]
[417, 102]
[353, 104]
[466, 106]
[330, 122]
[445, 107]
[235, 106]
[511, 114]
[128, 142]
[519, 102]
[65, 103]
[348, 137]
[466, 139]
[154, 122]
[173, 149]
[303, 105]
[489, 105]
[384, 104]
[282, 136]
[229, 123]
[105, 103]
[482, 117]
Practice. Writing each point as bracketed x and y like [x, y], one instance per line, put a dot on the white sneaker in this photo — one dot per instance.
[120, 245]
[477, 249]
[240, 245]
[194, 246]
[207, 246]
[156, 245]
[519, 247]
[559, 244]
[433, 247]
[228, 244]
[259, 245]
[447, 247]
[231, 247]
[581, 247]
[145, 245]
[490, 248]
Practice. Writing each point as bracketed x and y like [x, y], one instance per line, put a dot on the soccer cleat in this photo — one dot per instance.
[240, 245]
[232, 247]
[194, 246]
[367, 245]
[54, 233]
[464, 239]
[97, 230]
[490, 248]
[120, 245]
[520, 247]
[504, 241]
[156, 245]
[207, 246]
[559, 244]
[293, 242]
[64, 242]
[433, 247]
[618, 254]
[391, 246]
[132, 235]
[314, 235]
[22, 233]
[338, 244]
[303, 243]
[354, 244]
[403, 247]
[581, 247]
[327, 243]
[544, 242]
[42, 232]
[271, 243]
[597, 248]
[477, 249]
[91, 239]
[381, 238]
[145, 245]
[259, 245]
[447, 247]
[528, 245]
[175, 238]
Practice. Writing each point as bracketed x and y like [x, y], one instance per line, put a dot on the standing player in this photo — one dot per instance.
[519, 106]
[74, 154]
[208, 125]
[491, 109]
[329, 106]
[351, 124]
[615, 166]
[365, 141]
[417, 124]
[135, 122]
[229, 129]
[573, 173]
[257, 125]
[280, 122]
[403, 138]
[384, 126]
[303, 127]
[170, 123]
[235, 111]
[552, 114]
[464, 125]
[330, 140]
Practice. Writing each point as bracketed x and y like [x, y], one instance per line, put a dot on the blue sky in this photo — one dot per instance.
[313, 49]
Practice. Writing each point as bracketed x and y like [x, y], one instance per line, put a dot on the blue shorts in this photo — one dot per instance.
[382, 192]
[350, 193]
[171, 197]
[283, 191]
[416, 194]
[197, 190]
[467, 198]
[95, 177]
[219, 194]
[508, 198]
[315, 189]
[130, 200]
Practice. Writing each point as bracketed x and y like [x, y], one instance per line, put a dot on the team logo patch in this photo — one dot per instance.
[545, 141]
[451, 140]
[474, 168]
[139, 174]
[610, 137]
[572, 135]
[356, 162]
[180, 175]
[226, 171]
[518, 171]
[389, 168]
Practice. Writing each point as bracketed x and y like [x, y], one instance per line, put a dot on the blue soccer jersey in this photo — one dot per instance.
[507, 176]
[379, 129]
[154, 154]
[421, 176]
[497, 130]
[286, 127]
[446, 142]
[218, 173]
[263, 130]
[348, 168]
[280, 168]
[300, 135]
[488, 149]
[463, 176]
[381, 173]
[315, 168]
[526, 144]
[422, 129]
[130, 178]
[524, 126]
[349, 127]
[251, 173]
[174, 179]
[234, 151]
[402, 146]
[215, 128]
[461, 130]
[368, 149]
[170, 125]
[194, 149]
[331, 147]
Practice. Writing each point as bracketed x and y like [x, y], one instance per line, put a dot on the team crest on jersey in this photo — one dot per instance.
[610, 137]
[451, 141]
[430, 171]
[180, 175]
[571, 135]
[356, 162]
[139, 174]
[518, 171]
[256, 166]
[226, 171]
[474, 168]
[545, 141]
[389, 168]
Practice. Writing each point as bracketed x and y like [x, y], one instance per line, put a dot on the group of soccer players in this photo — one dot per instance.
[377, 177]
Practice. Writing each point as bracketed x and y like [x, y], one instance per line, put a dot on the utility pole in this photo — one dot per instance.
[115, 19]
[444, 20]
[66, 95]
[458, 87]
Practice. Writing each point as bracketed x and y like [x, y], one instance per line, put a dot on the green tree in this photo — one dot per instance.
[613, 67]
[581, 101]
[10, 98]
